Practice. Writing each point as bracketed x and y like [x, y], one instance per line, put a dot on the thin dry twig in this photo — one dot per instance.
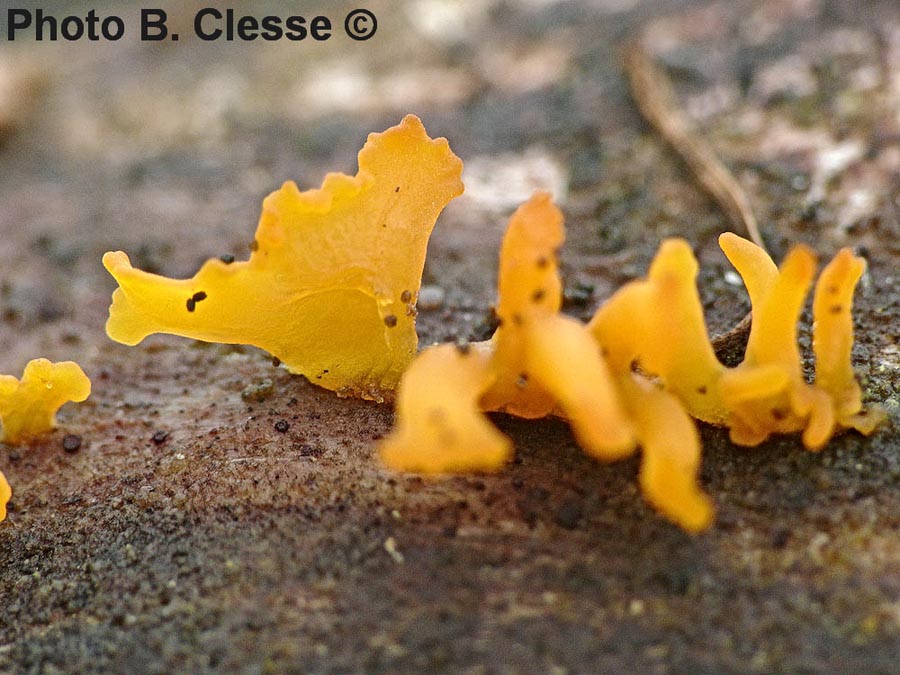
[655, 98]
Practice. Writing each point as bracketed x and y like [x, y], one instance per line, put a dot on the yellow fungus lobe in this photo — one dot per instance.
[28, 406]
[440, 428]
[5, 495]
[630, 327]
[833, 330]
[332, 278]
[544, 361]
[833, 341]
[670, 454]
[766, 393]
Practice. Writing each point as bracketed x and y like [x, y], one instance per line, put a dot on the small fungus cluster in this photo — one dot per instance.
[28, 406]
[766, 393]
[618, 383]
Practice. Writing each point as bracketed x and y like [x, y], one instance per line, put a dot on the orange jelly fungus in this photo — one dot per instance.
[540, 362]
[331, 286]
[766, 393]
[28, 407]
[5, 494]
[441, 428]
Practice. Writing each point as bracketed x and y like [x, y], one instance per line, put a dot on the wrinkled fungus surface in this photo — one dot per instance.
[28, 406]
[331, 285]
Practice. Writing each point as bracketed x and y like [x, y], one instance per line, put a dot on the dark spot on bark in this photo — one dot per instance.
[276, 361]
[676, 581]
[71, 442]
[159, 436]
[578, 294]
[568, 515]
[281, 426]
[780, 537]
[310, 451]
[227, 258]
[390, 321]
[487, 326]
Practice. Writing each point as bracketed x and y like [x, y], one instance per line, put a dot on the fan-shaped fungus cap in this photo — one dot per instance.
[28, 407]
[331, 285]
